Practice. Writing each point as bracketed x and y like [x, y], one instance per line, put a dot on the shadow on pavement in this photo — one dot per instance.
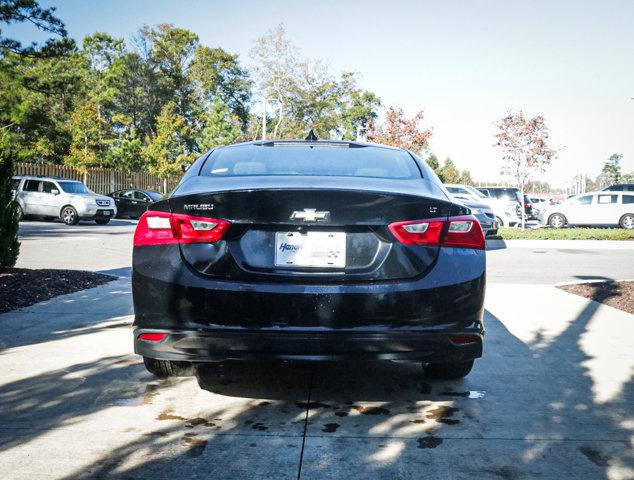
[526, 411]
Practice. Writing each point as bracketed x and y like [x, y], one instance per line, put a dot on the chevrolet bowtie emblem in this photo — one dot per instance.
[310, 215]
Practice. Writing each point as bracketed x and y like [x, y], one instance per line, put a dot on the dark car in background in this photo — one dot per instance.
[133, 203]
[309, 250]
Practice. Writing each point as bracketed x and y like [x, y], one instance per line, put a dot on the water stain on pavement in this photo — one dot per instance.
[168, 415]
[443, 414]
[341, 414]
[594, 456]
[259, 426]
[196, 446]
[330, 427]
[193, 422]
[151, 391]
[429, 442]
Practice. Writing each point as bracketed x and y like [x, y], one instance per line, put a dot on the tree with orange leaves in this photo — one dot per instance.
[525, 148]
[400, 131]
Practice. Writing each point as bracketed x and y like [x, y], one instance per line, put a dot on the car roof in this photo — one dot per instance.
[46, 177]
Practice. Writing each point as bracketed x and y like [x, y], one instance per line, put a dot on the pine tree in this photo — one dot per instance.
[221, 127]
[9, 245]
[165, 151]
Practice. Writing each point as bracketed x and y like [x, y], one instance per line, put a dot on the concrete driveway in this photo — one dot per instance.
[552, 397]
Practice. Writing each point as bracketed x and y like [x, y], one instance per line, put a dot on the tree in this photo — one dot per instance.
[305, 95]
[465, 178]
[126, 152]
[221, 127]
[450, 173]
[87, 145]
[612, 168]
[524, 143]
[165, 151]
[12, 117]
[218, 75]
[399, 131]
[9, 245]
[276, 70]
[171, 55]
[19, 11]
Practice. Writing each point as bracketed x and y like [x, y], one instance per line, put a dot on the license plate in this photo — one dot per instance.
[106, 213]
[311, 249]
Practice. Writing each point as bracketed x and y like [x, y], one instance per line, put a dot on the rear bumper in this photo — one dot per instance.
[99, 213]
[210, 346]
[214, 319]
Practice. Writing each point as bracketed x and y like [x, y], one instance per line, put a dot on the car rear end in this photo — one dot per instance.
[308, 250]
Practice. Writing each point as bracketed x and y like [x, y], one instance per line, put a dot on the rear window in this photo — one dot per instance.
[31, 186]
[302, 160]
[505, 193]
[607, 199]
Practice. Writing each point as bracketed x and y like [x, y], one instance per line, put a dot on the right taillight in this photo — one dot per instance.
[460, 232]
[161, 228]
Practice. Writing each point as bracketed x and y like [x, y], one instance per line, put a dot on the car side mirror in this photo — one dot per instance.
[54, 191]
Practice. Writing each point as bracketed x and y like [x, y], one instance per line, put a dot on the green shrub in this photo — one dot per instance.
[9, 245]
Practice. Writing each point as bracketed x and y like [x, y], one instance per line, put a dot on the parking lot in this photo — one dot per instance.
[552, 396]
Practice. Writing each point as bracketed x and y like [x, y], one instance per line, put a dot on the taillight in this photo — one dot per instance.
[153, 336]
[461, 232]
[161, 228]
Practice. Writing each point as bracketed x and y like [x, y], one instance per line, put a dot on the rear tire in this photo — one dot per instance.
[557, 220]
[448, 371]
[102, 221]
[69, 215]
[167, 368]
[627, 221]
[20, 213]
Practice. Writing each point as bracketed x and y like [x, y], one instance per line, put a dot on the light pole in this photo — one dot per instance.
[264, 100]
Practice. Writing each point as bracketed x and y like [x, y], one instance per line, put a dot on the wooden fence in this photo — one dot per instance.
[100, 180]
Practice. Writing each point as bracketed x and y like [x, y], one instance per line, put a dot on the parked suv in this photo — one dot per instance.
[67, 199]
[592, 208]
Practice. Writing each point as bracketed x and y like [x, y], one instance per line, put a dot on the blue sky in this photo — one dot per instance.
[465, 63]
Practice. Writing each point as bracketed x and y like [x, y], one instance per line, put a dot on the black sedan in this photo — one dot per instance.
[309, 250]
[133, 203]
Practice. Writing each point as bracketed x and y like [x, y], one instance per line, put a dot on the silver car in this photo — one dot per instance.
[68, 200]
[483, 213]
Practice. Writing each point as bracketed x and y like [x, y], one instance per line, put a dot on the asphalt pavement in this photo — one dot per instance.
[552, 396]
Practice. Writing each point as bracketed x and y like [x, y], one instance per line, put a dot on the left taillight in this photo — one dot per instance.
[161, 228]
[460, 232]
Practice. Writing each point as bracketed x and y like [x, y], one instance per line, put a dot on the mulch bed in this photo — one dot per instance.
[21, 287]
[615, 294]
